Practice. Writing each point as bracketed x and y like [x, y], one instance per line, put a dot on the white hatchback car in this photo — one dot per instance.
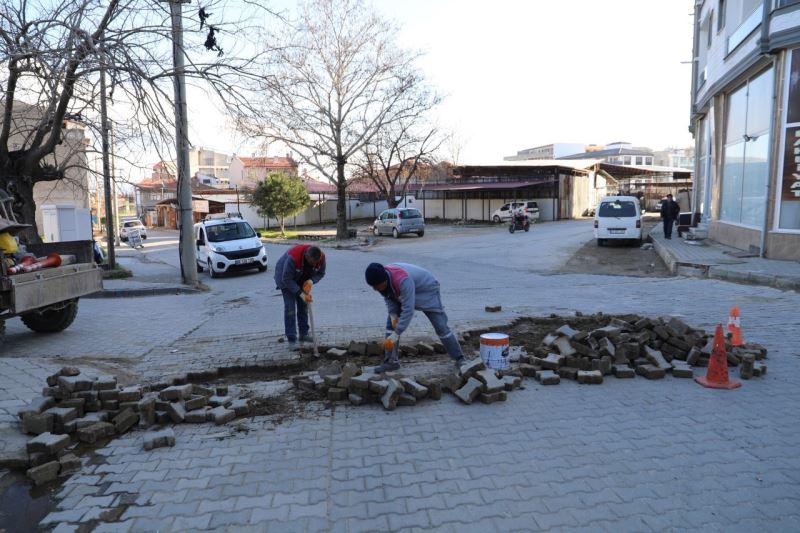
[618, 217]
[132, 225]
[227, 245]
[529, 207]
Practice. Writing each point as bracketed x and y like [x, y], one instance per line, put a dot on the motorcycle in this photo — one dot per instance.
[519, 222]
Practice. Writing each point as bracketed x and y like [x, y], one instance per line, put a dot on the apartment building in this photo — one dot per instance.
[745, 116]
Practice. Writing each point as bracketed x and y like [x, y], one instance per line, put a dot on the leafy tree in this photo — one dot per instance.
[280, 196]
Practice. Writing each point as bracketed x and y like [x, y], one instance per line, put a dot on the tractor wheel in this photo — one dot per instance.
[52, 320]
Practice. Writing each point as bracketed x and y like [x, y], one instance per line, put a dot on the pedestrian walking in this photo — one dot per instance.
[406, 288]
[669, 213]
[296, 272]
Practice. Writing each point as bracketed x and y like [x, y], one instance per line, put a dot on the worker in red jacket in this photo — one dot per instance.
[295, 273]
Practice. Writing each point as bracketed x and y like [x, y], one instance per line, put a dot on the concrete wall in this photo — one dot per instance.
[783, 246]
[736, 236]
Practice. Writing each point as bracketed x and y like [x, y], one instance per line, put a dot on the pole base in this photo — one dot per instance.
[728, 385]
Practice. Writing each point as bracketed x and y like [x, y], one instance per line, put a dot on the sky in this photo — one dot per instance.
[522, 73]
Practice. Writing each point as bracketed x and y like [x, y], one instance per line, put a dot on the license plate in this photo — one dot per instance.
[245, 260]
[616, 231]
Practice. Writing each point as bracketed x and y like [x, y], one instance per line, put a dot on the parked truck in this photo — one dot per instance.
[47, 300]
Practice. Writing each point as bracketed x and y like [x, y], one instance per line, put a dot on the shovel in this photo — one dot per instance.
[313, 329]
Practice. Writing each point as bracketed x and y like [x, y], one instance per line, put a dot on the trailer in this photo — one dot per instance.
[47, 300]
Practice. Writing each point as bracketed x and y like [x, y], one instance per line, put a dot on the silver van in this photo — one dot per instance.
[398, 222]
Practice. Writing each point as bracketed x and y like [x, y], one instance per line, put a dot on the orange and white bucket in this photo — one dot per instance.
[494, 350]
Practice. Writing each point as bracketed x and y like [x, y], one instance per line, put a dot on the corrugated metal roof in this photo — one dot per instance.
[576, 164]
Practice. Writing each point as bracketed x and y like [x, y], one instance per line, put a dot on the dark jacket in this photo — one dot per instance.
[670, 209]
[291, 271]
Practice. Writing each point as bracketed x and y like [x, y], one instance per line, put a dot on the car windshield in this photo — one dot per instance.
[619, 208]
[410, 213]
[132, 223]
[229, 232]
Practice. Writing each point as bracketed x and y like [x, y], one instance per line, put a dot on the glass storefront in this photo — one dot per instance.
[789, 189]
[745, 159]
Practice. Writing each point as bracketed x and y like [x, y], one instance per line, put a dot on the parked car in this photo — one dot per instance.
[398, 222]
[228, 244]
[134, 224]
[529, 207]
[618, 217]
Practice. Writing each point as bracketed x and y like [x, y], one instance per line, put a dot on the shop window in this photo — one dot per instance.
[789, 189]
[744, 170]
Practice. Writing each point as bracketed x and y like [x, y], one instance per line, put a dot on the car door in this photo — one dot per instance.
[504, 212]
[202, 247]
[381, 224]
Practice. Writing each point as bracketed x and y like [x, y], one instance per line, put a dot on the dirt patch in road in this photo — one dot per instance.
[618, 259]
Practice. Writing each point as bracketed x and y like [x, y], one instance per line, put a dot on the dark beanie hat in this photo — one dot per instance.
[376, 274]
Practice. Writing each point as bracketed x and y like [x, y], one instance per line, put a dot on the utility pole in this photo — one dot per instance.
[185, 219]
[112, 262]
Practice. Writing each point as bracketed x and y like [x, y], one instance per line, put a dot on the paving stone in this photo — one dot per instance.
[581, 349]
[130, 394]
[133, 406]
[606, 347]
[361, 383]
[39, 458]
[656, 358]
[374, 349]
[202, 390]
[97, 431]
[567, 331]
[413, 388]
[91, 418]
[493, 308]
[378, 386]
[511, 382]
[391, 395]
[408, 351]
[69, 463]
[221, 390]
[108, 395]
[563, 345]
[590, 377]
[241, 407]
[682, 371]
[159, 439]
[472, 367]
[216, 401]
[623, 371]
[568, 372]
[490, 380]
[423, 348]
[335, 394]
[44, 473]
[335, 354]
[332, 380]
[357, 348]
[146, 408]
[61, 416]
[110, 405]
[355, 399]
[434, 388]
[125, 421]
[405, 399]
[162, 417]
[48, 443]
[75, 383]
[36, 424]
[607, 331]
[470, 390]
[104, 383]
[37, 406]
[548, 377]
[651, 371]
[176, 411]
[176, 392]
[759, 370]
[493, 397]
[529, 370]
[220, 415]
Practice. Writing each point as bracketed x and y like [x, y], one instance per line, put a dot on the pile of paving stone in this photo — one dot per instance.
[76, 408]
[642, 346]
[349, 382]
[376, 349]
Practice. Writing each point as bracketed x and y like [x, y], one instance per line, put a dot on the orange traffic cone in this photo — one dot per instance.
[735, 326]
[717, 375]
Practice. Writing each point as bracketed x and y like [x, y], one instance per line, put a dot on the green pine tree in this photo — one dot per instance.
[280, 196]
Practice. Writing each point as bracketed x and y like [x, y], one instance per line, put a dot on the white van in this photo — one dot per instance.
[618, 217]
[228, 244]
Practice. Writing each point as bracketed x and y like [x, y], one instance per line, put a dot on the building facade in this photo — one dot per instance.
[745, 117]
[547, 151]
[255, 169]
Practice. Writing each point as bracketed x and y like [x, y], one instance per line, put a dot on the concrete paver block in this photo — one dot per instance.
[36, 424]
[564, 346]
[105, 383]
[125, 420]
[656, 358]
[651, 371]
[361, 383]
[493, 397]
[130, 394]
[176, 411]
[221, 415]
[590, 377]
[98, 430]
[406, 400]
[471, 389]
[106, 395]
[176, 392]
[378, 386]
[511, 382]
[355, 399]
[470, 368]
[240, 406]
[423, 348]
[357, 348]
[349, 370]
[391, 394]
[336, 394]
[75, 383]
[201, 390]
[623, 371]
[568, 372]
[159, 439]
[69, 463]
[44, 473]
[413, 388]
[335, 354]
[198, 416]
[48, 443]
[216, 401]
[37, 406]
[490, 380]
[548, 377]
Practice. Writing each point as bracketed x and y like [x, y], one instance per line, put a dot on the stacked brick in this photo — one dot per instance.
[348, 382]
[76, 408]
[624, 348]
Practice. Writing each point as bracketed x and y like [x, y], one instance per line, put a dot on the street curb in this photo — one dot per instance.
[723, 274]
[131, 293]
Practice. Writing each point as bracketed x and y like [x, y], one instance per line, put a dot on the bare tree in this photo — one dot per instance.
[396, 155]
[51, 54]
[335, 79]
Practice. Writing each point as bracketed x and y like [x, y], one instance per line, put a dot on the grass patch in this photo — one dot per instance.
[119, 272]
[276, 234]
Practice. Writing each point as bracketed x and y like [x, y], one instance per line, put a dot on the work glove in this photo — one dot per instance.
[307, 286]
[390, 341]
[307, 298]
[394, 318]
